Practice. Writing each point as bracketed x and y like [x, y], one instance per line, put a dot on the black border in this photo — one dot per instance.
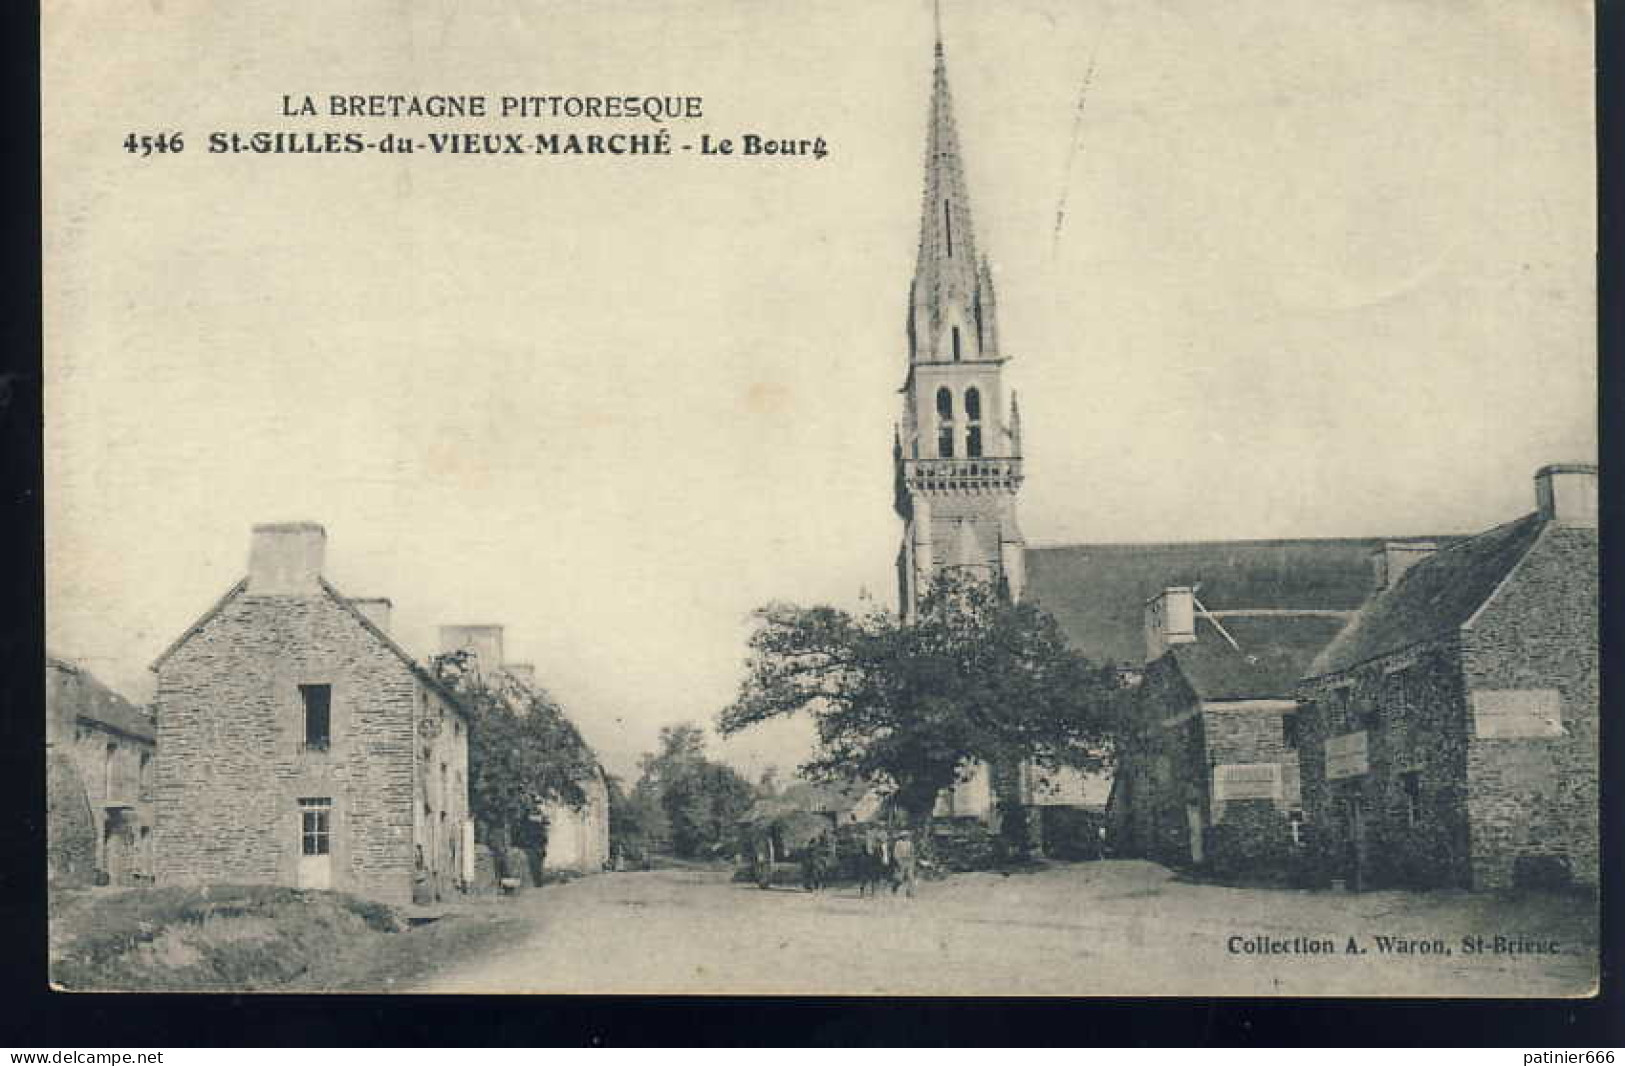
[31, 1016]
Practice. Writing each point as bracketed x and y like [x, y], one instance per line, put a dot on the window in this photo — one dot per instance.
[318, 700]
[1295, 822]
[1412, 783]
[1289, 730]
[1337, 715]
[973, 423]
[1401, 688]
[945, 424]
[108, 770]
[1370, 718]
[948, 227]
[956, 343]
[146, 774]
[316, 826]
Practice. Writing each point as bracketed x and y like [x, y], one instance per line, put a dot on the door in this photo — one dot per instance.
[315, 843]
[1357, 838]
[1193, 819]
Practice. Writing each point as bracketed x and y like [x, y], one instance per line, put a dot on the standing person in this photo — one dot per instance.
[871, 864]
[812, 864]
[764, 859]
[903, 863]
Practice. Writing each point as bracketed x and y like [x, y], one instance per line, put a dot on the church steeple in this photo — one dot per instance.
[951, 303]
[958, 453]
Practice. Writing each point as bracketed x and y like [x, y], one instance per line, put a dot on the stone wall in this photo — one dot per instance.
[101, 780]
[1535, 798]
[1161, 769]
[1367, 829]
[441, 796]
[1439, 804]
[231, 729]
[71, 827]
[578, 839]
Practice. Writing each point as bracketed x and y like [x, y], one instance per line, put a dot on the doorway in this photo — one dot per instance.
[1193, 821]
[315, 843]
[1354, 856]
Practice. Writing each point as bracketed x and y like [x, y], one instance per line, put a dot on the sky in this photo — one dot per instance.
[1301, 270]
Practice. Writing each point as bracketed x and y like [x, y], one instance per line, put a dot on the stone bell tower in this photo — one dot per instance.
[958, 447]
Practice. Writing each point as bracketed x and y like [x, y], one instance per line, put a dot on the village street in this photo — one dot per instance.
[1112, 928]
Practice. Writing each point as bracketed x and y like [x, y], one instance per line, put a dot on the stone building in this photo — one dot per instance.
[303, 746]
[1448, 735]
[957, 453]
[1221, 631]
[958, 448]
[100, 750]
[577, 837]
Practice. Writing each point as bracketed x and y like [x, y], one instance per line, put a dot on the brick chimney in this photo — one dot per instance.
[285, 559]
[376, 608]
[484, 641]
[1390, 561]
[1170, 618]
[1566, 494]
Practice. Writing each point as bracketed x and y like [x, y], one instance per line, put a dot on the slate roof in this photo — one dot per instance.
[1434, 597]
[85, 698]
[1097, 592]
[1273, 653]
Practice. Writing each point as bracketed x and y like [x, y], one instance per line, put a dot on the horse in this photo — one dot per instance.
[872, 865]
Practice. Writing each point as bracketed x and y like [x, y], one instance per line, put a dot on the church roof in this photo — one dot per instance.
[1097, 593]
[1436, 596]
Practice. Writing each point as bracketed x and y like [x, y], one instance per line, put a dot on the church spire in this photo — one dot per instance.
[951, 316]
[958, 452]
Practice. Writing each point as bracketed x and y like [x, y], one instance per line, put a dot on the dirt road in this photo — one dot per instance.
[1113, 928]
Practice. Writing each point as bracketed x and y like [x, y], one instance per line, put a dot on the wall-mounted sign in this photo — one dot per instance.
[1346, 756]
[1518, 712]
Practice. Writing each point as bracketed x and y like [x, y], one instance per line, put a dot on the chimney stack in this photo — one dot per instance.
[1170, 618]
[1566, 494]
[1390, 561]
[376, 608]
[285, 559]
[485, 642]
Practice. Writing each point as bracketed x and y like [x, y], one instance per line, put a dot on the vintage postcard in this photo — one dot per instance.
[1084, 498]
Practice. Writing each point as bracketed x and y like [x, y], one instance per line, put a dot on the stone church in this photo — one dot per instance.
[958, 445]
[1221, 639]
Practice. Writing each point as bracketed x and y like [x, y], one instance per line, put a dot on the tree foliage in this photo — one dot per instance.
[910, 706]
[699, 801]
[522, 750]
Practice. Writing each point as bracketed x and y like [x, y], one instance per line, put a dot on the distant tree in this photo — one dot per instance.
[522, 751]
[699, 800]
[910, 706]
[682, 747]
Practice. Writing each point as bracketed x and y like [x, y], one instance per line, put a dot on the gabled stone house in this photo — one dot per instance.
[1209, 772]
[1448, 735]
[303, 746]
[100, 752]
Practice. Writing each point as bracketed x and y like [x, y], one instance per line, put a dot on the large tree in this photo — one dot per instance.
[911, 705]
[522, 750]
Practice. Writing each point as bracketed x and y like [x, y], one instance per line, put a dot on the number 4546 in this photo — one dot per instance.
[144, 144]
